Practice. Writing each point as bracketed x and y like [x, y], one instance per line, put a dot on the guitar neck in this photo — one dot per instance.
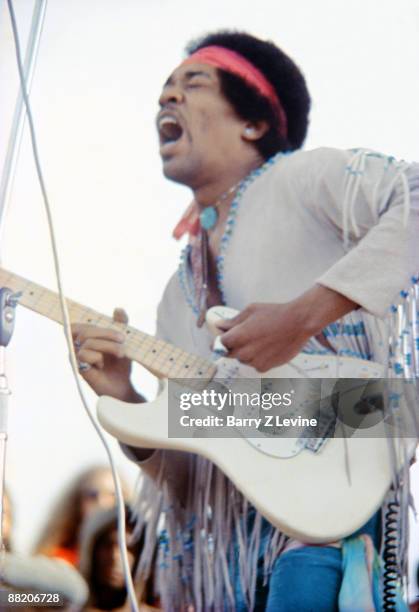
[161, 358]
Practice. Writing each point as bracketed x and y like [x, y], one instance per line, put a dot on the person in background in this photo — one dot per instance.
[24, 578]
[91, 490]
[101, 563]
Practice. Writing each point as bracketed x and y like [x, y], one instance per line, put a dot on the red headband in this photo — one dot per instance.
[233, 62]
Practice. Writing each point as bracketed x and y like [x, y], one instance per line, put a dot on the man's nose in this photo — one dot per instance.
[171, 94]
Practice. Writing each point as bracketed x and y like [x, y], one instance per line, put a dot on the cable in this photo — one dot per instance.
[391, 570]
[66, 318]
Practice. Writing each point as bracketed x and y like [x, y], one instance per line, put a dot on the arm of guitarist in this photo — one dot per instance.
[268, 335]
[380, 223]
[110, 371]
[110, 374]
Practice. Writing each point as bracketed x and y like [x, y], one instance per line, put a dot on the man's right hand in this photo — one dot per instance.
[107, 368]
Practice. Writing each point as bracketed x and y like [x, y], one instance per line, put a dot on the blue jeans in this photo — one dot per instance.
[305, 579]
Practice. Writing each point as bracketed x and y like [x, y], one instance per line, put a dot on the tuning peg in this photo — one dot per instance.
[12, 299]
[8, 303]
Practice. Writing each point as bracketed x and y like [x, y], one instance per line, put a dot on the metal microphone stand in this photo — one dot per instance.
[8, 300]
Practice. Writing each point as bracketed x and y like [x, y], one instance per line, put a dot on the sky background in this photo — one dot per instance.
[99, 72]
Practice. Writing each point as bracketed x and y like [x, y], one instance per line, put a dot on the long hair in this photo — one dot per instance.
[64, 521]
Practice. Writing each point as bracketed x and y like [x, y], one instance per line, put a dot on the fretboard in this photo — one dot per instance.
[161, 358]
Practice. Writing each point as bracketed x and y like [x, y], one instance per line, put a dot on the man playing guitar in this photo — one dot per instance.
[313, 248]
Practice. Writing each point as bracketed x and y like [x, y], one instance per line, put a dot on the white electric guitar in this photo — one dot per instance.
[315, 489]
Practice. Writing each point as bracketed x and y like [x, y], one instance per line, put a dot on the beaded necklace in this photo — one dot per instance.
[209, 216]
[195, 295]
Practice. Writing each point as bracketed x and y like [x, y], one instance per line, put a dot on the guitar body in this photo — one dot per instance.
[316, 497]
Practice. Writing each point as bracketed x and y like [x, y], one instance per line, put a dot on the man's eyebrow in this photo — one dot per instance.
[188, 75]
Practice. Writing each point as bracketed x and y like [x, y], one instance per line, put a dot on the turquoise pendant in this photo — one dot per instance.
[208, 218]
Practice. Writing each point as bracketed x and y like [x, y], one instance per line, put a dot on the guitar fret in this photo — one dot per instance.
[52, 311]
[32, 297]
[106, 322]
[73, 312]
[153, 356]
[180, 373]
[156, 360]
[85, 315]
[170, 361]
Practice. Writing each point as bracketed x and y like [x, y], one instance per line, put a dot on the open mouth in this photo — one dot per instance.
[170, 131]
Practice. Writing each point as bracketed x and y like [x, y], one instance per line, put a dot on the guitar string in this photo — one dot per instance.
[147, 349]
[170, 361]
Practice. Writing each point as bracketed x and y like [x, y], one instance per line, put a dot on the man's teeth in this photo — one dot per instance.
[167, 121]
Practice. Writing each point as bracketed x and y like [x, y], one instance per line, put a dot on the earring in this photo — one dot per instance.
[249, 131]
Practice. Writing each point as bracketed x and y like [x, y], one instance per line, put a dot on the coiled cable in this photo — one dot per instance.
[391, 572]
